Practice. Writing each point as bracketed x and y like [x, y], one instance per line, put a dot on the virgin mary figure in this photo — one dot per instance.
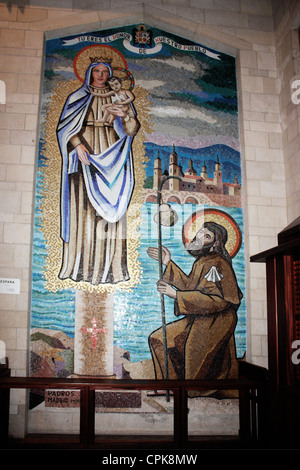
[97, 180]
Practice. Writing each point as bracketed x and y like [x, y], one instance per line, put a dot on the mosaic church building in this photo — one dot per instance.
[194, 188]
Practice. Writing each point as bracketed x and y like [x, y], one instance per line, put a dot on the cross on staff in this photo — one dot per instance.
[94, 330]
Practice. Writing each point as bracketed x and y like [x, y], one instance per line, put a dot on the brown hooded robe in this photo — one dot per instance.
[200, 345]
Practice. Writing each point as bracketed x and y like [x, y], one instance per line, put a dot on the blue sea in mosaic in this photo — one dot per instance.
[138, 312]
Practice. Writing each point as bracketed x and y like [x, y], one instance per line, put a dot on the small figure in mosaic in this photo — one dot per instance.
[120, 97]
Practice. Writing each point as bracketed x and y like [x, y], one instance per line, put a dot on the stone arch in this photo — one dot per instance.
[151, 198]
[174, 199]
[191, 200]
[139, 14]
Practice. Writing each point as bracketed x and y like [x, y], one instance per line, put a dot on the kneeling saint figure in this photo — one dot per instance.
[201, 343]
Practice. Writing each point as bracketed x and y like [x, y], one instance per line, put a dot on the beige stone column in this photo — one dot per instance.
[93, 343]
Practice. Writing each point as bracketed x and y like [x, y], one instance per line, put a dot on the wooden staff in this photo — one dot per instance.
[162, 300]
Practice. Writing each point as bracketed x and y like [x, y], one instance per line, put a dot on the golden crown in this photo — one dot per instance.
[100, 59]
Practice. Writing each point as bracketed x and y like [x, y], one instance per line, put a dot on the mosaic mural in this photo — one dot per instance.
[138, 252]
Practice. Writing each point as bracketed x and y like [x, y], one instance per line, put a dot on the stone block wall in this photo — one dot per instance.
[263, 38]
[287, 42]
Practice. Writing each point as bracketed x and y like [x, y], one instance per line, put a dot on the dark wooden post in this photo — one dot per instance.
[283, 316]
[4, 405]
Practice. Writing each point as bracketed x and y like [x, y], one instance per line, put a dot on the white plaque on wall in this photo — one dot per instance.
[9, 286]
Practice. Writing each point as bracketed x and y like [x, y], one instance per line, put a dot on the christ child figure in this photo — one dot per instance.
[121, 98]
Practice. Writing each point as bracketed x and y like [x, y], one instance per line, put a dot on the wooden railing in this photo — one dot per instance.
[253, 415]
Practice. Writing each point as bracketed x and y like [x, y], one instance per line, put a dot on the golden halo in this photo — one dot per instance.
[196, 221]
[82, 58]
